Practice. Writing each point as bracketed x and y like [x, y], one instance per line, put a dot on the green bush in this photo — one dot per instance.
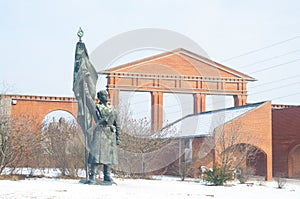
[217, 176]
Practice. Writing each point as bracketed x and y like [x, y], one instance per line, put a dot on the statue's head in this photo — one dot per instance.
[102, 96]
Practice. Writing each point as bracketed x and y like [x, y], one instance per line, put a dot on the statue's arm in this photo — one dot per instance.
[101, 118]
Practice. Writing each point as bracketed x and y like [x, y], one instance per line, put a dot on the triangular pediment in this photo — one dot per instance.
[179, 62]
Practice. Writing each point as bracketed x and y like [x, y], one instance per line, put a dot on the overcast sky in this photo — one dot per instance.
[38, 39]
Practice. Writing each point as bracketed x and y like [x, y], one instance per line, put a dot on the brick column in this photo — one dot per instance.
[240, 100]
[114, 97]
[199, 102]
[156, 110]
[269, 169]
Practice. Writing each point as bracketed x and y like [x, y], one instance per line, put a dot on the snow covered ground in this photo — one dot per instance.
[163, 187]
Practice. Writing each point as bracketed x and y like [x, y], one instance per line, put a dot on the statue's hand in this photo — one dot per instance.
[113, 129]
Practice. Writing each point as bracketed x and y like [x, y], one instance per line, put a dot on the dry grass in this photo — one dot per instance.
[12, 177]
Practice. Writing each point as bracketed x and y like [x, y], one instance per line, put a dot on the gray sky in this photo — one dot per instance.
[38, 39]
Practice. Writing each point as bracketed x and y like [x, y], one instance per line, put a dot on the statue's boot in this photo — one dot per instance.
[106, 173]
[93, 173]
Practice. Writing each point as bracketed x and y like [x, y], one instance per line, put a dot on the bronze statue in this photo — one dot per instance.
[104, 138]
[101, 138]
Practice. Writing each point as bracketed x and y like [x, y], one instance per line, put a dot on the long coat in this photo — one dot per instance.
[104, 136]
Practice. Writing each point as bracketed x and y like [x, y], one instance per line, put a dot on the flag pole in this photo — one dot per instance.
[84, 87]
[85, 135]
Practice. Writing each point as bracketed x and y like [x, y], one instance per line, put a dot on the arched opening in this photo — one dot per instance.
[62, 143]
[294, 162]
[58, 114]
[259, 163]
[249, 158]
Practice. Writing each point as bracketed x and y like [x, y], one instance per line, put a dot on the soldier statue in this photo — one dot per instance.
[104, 138]
[101, 139]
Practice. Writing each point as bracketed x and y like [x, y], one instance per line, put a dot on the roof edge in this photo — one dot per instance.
[258, 104]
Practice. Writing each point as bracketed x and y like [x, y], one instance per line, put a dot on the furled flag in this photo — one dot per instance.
[84, 85]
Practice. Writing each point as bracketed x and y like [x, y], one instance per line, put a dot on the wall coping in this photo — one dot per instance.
[39, 98]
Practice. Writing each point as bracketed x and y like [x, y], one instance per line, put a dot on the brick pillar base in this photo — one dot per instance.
[156, 110]
[114, 97]
[269, 169]
[199, 102]
[240, 100]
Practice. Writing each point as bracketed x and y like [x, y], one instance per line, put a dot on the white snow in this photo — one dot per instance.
[162, 187]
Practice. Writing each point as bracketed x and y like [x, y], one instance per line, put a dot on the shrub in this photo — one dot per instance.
[244, 174]
[280, 181]
[217, 176]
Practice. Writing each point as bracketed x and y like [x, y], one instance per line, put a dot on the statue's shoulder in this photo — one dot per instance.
[101, 106]
[113, 109]
[105, 108]
[98, 106]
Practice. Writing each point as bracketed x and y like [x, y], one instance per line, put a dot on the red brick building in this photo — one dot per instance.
[286, 142]
[182, 71]
[249, 125]
[276, 132]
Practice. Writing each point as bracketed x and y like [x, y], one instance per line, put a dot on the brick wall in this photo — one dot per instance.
[40, 106]
[257, 123]
[286, 142]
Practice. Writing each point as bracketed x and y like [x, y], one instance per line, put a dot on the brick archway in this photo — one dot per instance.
[249, 156]
[294, 162]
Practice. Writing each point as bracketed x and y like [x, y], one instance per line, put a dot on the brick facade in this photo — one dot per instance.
[286, 142]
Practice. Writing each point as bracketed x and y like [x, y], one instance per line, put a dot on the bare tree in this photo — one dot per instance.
[186, 169]
[19, 139]
[62, 144]
[25, 140]
[139, 146]
[5, 154]
[142, 151]
[233, 149]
